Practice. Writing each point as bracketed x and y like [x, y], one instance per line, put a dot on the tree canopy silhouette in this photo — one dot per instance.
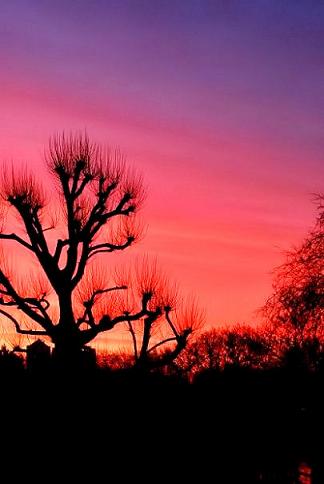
[70, 300]
[298, 297]
[222, 348]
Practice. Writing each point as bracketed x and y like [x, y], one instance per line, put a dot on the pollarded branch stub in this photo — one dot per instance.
[186, 333]
[80, 164]
[147, 296]
[106, 321]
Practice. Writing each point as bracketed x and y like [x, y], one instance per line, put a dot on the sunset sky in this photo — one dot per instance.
[219, 103]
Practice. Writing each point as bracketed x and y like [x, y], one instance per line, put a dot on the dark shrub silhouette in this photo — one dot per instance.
[10, 362]
[213, 351]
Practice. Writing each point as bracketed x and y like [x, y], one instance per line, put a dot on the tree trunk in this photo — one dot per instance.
[67, 356]
[70, 353]
[73, 358]
[67, 350]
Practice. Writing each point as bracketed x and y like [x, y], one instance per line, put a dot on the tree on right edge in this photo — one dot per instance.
[296, 307]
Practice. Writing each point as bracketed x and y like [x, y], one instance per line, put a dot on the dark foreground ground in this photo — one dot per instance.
[236, 429]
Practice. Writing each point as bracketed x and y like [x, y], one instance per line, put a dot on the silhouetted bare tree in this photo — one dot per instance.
[69, 301]
[298, 297]
[296, 308]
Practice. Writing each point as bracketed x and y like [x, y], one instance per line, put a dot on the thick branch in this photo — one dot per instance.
[146, 336]
[34, 302]
[59, 247]
[106, 323]
[167, 317]
[107, 247]
[23, 305]
[23, 331]
[36, 236]
[82, 265]
[42, 242]
[103, 218]
[96, 220]
[99, 217]
[98, 209]
[88, 317]
[78, 191]
[132, 332]
[167, 340]
[37, 303]
[17, 239]
[98, 292]
[169, 356]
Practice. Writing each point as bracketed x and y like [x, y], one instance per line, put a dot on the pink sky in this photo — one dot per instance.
[221, 108]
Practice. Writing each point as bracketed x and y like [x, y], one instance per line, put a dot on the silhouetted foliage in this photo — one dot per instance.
[99, 197]
[259, 383]
[296, 308]
[298, 297]
[116, 360]
[10, 362]
[217, 349]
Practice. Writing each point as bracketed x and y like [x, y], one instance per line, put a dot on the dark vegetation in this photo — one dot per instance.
[70, 299]
[243, 403]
